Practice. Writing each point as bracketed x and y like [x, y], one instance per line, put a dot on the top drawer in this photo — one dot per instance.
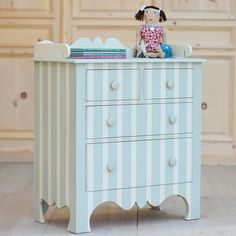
[168, 83]
[112, 84]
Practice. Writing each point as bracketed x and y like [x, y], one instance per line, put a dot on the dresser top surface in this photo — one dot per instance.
[129, 60]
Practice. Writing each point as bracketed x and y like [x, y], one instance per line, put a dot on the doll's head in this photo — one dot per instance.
[151, 15]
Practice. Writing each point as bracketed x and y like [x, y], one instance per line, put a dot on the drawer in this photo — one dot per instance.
[136, 120]
[103, 85]
[168, 83]
[138, 164]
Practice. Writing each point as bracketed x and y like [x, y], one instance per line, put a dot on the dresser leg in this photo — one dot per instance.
[40, 210]
[192, 210]
[79, 221]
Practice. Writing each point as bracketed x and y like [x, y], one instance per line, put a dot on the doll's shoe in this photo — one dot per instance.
[151, 54]
[161, 54]
[135, 52]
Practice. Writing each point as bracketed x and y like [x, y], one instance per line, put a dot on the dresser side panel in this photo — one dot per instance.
[196, 160]
[54, 129]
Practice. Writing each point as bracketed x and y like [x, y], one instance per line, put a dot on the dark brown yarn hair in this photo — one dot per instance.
[140, 14]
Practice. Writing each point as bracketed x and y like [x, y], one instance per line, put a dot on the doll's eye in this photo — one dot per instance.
[155, 12]
[147, 11]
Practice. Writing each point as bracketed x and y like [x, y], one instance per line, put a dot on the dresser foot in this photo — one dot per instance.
[192, 211]
[40, 210]
[79, 223]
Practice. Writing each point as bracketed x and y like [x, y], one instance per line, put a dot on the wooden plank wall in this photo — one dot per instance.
[208, 25]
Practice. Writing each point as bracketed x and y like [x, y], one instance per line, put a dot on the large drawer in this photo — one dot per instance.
[138, 164]
[112, 84]
[168, 83]
[135, 120]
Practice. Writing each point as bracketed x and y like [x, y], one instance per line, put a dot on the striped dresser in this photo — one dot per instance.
[126, 131]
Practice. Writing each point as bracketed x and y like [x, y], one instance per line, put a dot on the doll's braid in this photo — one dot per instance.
[140, 14]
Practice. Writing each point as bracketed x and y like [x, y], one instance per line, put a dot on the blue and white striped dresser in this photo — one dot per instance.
[126, 131]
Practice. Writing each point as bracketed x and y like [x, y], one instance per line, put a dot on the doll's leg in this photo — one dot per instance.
[161, 53]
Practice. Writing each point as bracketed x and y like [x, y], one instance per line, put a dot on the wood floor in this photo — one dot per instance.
[218, 209]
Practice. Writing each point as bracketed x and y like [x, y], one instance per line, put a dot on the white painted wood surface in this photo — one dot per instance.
[49, 49]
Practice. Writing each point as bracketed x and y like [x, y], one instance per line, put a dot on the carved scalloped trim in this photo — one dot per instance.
[98, 43]
[138, 203]
[181, 50]
[43, 206]
[48, 49]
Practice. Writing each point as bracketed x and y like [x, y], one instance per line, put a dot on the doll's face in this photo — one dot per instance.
[151, 16]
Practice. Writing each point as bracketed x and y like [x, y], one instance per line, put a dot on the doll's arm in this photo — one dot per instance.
[138, 37]
[140, 45]
[164, 37]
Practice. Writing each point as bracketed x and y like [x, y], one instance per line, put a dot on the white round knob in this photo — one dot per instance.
[114, 85]
[111, 121]
[111, 167]
[170, 84]
[173, 119]
[172, 162]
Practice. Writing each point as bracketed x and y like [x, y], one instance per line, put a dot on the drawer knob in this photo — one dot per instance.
[111, 121]
[170, 84]
[172, 162]
[173, 119]
[114, 85]
[111, 167]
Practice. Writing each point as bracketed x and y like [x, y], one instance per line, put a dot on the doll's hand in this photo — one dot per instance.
[143, 47]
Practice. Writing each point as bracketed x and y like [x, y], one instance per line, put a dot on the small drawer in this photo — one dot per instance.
[137, 120]
[138, 164]
[168, 83]
[112, 84]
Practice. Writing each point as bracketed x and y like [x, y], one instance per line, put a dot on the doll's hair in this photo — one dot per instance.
[140, 14]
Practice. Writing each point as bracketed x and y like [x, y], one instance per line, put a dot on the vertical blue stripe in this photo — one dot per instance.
[155, 170]
[126, 119]
[170, 75]
[36, 135]
[112, 149]
[54, 129]
[169, 155]
[81, 196]
[72, 144]
[45, 130]
[196, 143]
[127, 82]
[182, 161]
[63, 132]
[183, 82]
[140, 173]
[126, 167]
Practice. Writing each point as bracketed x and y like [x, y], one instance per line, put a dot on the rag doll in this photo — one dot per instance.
[150, 36]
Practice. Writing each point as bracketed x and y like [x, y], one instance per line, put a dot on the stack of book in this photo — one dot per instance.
[98, 53]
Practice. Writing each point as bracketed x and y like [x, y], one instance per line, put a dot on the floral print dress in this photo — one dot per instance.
[152, 36]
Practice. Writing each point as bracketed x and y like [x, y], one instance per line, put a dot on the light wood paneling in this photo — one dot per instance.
[105, 8]
[218, 116]
[16, 110]
[125, 34]
[23, 35]
[208, 25]
[201, 9]
[202, 36]
[22, 23]
[26, 8]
